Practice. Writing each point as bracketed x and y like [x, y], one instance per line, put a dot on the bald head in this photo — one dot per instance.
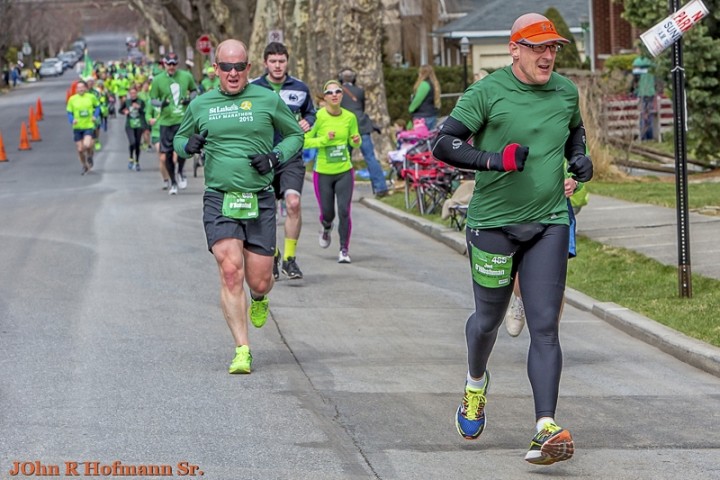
[232, 56]
[229, 48]
[525, 20]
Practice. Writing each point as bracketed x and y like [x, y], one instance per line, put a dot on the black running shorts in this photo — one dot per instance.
[257, 234]
[167, 135]
[289, 175]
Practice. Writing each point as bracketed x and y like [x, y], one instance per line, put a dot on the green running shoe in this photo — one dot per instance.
[259, 311]
[551, 444]
[242, 361]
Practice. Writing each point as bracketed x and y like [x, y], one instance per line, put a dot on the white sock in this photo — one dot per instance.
[476, 384]
[542, 421]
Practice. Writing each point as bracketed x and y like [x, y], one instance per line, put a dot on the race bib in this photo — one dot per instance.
[489, 269]
[336, 153]
[240, 205]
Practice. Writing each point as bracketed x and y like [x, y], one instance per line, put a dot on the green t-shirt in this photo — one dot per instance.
[82, 108]
[150, 113]
[208, 84]
[643, 67]
[503, 110]
[174, 90]
[135, 113]
[122, 85]
[239, 126]
[333, 155]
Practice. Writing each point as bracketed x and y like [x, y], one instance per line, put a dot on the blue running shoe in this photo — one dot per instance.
[470, 418]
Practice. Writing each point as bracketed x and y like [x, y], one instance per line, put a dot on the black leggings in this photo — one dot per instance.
[327, 188]
[542, 264]
[134, 136]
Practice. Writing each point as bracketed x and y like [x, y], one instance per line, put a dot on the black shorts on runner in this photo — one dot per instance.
[167, 134]
[78, 135]
[289, 175]
[257, 234]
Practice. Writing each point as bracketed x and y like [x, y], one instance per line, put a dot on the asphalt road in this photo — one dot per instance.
[115, 349]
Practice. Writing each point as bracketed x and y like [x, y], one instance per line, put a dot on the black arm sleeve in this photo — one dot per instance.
[451, 147]
[575, 144]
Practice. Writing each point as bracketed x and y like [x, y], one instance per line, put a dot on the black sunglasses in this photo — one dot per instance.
[227, 67]
[330, 92]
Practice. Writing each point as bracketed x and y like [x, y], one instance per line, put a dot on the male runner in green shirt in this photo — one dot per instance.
[83, 110]
[172, 91]
[525, 122]
[236, 125]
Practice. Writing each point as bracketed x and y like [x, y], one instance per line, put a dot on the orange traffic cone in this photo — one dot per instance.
[40, 115]
[3, 155]
[34, 132]
[24, 143]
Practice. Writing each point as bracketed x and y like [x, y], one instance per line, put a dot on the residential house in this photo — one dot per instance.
[597, 27]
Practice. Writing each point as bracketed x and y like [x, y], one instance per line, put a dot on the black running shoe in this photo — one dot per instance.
[291, 269]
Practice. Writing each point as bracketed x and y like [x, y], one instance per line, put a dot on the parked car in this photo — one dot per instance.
[78, 47]
[51, 67]
[69, 58]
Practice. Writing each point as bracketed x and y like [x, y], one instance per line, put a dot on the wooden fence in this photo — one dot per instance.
[621, 114]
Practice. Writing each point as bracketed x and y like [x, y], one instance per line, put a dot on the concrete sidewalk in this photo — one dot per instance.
[647, 229]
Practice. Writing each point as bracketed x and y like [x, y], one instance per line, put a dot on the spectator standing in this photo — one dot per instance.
[425, 101]
[644, 79]
[353, 100]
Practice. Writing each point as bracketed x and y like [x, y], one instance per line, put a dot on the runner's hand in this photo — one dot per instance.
[264, 162]
[511, 159]
[581, 167]
[196, 142]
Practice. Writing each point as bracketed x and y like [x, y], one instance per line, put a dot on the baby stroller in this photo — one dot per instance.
[409, 142]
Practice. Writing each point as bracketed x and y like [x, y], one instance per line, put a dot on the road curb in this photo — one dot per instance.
[688, 350]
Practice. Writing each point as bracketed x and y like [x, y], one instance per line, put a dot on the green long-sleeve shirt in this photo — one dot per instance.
[239, 126]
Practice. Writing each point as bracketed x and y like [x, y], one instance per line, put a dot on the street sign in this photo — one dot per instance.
[667, 32]
[203, 44]
[26, 49]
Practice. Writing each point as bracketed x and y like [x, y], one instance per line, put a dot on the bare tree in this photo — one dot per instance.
[324, 37]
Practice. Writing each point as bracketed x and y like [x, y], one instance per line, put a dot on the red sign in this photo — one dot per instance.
[203, 44]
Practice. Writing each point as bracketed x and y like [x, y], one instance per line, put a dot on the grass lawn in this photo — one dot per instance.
[612, 274]
[659, 192]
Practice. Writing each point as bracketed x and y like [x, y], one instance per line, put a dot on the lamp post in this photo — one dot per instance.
[464, 50]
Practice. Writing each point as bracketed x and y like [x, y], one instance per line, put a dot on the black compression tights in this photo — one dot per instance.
[542, 266]
[134, 136]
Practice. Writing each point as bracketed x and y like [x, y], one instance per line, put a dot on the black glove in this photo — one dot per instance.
[511, 159]
[196, 142]
[581, 167]
[264, 162]
[165, 103]
[185, 101]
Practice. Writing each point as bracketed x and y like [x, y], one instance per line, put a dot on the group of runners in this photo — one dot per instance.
[527, 138]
